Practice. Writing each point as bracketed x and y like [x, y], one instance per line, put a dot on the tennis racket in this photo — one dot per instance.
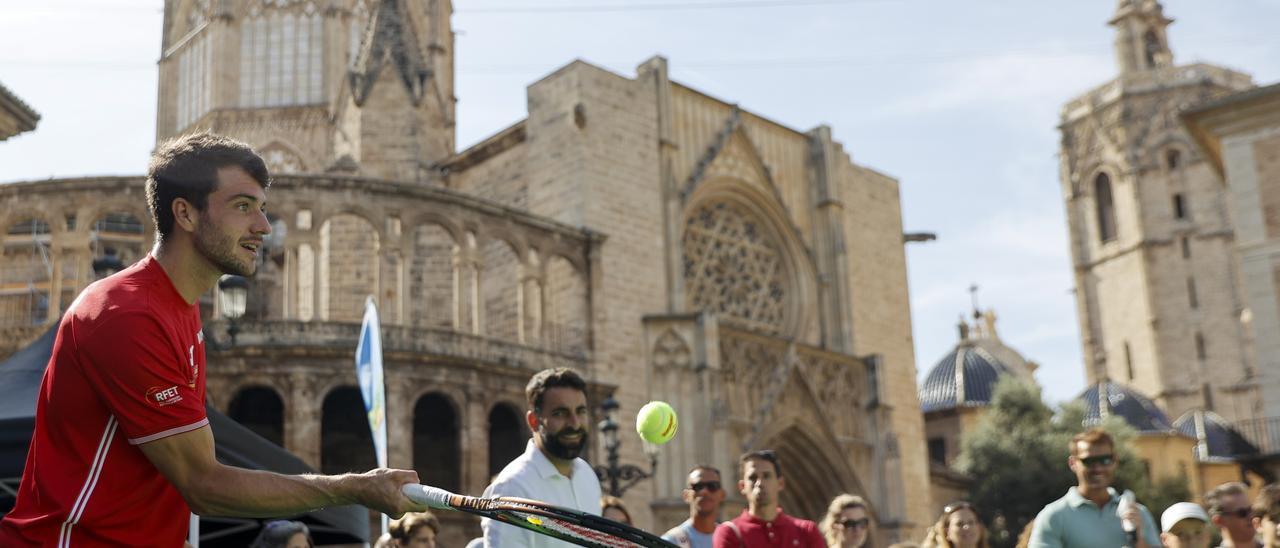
[568, 525]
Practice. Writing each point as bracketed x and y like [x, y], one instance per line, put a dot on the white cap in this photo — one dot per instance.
[1181, 511]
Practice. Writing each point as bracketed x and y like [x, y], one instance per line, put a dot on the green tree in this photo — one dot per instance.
[1017, 457]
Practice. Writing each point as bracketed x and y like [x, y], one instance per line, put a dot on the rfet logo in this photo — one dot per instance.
[163, 396]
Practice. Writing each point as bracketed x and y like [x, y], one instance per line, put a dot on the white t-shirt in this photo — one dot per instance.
[532, 476]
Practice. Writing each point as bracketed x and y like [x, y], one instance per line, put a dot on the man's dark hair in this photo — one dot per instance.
[187, 167]
[1213, 499]
[697, 467]
[559, 377]
[765, 455]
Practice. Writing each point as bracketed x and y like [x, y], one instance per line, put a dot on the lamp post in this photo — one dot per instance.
[233, 292]
[620, 477]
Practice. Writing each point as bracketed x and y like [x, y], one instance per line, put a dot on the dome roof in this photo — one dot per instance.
[966, 376]
[1217, 439]
[1107, 398]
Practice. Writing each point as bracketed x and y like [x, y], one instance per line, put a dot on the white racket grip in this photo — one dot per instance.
[428, 495]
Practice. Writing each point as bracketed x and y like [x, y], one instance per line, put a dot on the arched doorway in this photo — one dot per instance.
[345, 442]
[437, 448]
[813, 474]
[507, 436]
[261, 410]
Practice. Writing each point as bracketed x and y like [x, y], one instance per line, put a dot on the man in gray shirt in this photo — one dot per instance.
[704, 493]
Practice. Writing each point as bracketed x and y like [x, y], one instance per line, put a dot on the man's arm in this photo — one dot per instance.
[1043, 534]
[211, 488]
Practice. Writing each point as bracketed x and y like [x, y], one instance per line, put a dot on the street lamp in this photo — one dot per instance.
[620, 477]
[233, 292]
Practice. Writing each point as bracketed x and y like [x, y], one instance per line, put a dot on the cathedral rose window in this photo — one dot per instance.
[735, 266]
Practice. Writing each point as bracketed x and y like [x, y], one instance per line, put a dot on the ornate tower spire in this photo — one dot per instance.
[1141, 41]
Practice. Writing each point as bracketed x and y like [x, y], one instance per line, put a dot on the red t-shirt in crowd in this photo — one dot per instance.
[783, 532]
[127, 368]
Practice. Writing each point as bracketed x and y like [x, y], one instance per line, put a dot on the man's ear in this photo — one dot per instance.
[782, 483]
[185, 214]
[687, 495]
[532, 419]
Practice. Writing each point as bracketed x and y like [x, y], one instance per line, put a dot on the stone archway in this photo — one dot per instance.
[813, 475]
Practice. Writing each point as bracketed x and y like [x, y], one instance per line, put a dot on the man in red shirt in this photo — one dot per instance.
[122, 451]
[763, 524]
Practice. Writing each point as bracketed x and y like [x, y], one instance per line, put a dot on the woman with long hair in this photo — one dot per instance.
[847, 523]
[958, 527]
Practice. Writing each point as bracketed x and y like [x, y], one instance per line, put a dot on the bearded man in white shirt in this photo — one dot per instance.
[549, 470]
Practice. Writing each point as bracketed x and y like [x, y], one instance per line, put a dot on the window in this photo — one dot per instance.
[1106, 208]
[1179, 206]
[1128, 359]
[281, 58]
[1186, 247]
[1200, 351]
[1191, 293]
[194, 87]
[1151, 47]
[1173, 159]
[938, 451]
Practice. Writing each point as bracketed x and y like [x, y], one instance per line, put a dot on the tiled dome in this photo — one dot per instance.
[1113, 399]
[1217, 439]
[966, 376]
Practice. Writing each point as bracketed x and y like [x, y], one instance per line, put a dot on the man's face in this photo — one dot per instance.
[229, 234]
[1094, 465]
[562, 423]
[704, 492]
[1187, 533]
[424, 537]
[1236, 519]
[760, 482]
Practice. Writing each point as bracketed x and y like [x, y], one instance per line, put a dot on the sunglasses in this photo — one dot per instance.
[1104, 460]
[710, 486]
[853, 523]
[1240, 513]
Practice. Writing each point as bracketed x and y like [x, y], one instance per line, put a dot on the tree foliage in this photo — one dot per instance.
[1017, 458]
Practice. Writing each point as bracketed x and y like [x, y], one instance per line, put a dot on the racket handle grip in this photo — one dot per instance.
[428, 495]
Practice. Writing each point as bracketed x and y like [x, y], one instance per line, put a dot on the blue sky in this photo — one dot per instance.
[958, 100]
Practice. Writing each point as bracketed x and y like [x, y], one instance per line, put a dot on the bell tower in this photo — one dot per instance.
[359, 86]
[1141, 41]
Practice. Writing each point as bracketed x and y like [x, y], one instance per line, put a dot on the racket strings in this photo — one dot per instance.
[598, 538]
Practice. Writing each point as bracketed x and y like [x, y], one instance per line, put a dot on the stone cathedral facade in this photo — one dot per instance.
[1158, 286]
[666, 243]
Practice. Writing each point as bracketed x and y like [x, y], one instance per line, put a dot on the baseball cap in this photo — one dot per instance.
[1181, 511]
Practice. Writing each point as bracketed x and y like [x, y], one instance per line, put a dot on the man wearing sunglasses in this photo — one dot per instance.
[704, 494]
[1088, 517]
[1230, 512]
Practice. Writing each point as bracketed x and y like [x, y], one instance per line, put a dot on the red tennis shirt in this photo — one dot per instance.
[783, 532]
[127, 368]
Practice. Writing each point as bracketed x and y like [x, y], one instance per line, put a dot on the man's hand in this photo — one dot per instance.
[1134, 516]
[379, 489]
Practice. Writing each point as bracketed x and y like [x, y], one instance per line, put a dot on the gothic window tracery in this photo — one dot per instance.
[734, 265]
[281, 54]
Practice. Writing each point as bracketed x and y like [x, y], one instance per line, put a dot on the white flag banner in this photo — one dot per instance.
[369, 373]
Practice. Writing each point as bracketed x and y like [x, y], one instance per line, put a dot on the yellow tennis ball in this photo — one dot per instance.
[656, 422]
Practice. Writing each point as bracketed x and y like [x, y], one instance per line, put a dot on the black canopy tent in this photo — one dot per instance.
[235, 445]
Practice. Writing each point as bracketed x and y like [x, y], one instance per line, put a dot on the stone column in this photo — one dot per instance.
[399, 422]
[475, 443]
[302, 419]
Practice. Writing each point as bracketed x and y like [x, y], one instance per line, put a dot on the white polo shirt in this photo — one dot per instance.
[532, 476]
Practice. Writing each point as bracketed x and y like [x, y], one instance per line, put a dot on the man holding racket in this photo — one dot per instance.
[122, 450]
[549, 470]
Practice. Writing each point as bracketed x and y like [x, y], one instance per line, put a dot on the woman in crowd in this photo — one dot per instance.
[611, 507]
[415, 530]
[958, 527]
[847, 523]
